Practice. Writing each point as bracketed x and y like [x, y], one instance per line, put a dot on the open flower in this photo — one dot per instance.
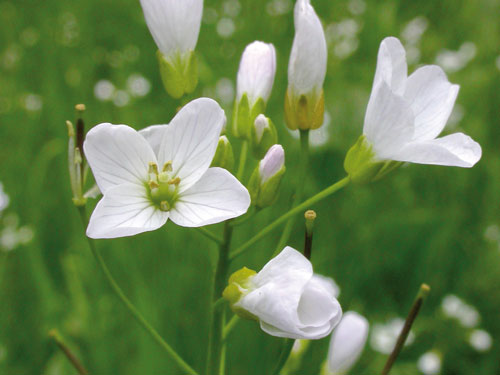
[162, 172]
[286, 297]
[347, 342]
[406, 114]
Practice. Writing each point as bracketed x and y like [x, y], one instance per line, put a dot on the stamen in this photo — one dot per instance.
[153, 185]
[167, 167]
[176, 181]
[164, 206]
[153, 168]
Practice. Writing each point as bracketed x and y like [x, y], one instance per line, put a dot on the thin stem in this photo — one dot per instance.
[229, 326]
[210, 235]
[301, 207]
[130, 307]
[243, 160]
[299, 188]
[285, 353]
[67, 352]
[243, 219]
[215, 342]
[419, 300]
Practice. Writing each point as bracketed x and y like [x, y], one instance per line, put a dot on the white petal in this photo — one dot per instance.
[432, 98]
[256, 71]
[273, 162]
[307, 66]
[174, 24]
[347, 342]
[154, 135]
[124, 211]
[190, 140]
[456, 150]
[216, 196]
[389, 121]
[391, 65]
[117, 154]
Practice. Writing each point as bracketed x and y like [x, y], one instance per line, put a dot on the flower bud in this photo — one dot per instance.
[224, 157]
[175, 26]
[347, 342]
[304, 101]
[286, 297]
[263, 136]
[254, 84]
[266, 178]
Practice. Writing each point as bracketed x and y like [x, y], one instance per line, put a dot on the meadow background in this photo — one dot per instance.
[430, 224]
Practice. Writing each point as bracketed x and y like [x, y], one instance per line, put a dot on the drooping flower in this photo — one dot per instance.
[175, 26]
[162, 172]
[347, 342]
[405, 115]
[254, 84]
[286, 297]
[304, 102]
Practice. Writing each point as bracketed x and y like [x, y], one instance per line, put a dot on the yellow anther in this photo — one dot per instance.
[164, 206]
[153, 168]
[167, 167]
[153, 185]
[176, 181]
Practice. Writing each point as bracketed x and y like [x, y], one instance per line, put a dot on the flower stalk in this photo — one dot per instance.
[75, 362]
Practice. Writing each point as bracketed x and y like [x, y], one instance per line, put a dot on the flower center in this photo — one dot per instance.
[162, 188]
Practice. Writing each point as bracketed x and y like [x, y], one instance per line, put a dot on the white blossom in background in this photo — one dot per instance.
[4, 199]
[104, 90]
[12, 235]
[162, 172]
[138, 85]
[174, 24]
[304, 102]
[286, 297]
[406, 114]
[453, 61]
[454, 307]
[429, 363]
[347, 342]
[384, 336]
[256, 72]
[480, 340]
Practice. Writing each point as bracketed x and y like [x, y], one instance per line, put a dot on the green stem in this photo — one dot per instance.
[210, 235]
[229, 326]
[68, 353]
[301, 207]
[412, 315]
[285, 353]
[299, 189]
[130, 307]
[215, 342]
[243, 160]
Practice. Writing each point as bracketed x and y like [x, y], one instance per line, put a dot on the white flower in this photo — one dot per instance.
[272, 163]
[406, 114]
[347, 342]
[256, 72]
[307, 66]
[287, 298]
[162, 172]
[174, 24]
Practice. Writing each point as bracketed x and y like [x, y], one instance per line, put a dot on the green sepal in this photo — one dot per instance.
[244, 116]
[269, 138]
[179, 74]
[224, 157]
[304, 112]
[270, 189]
[239, 284]
[361, 165]
[253, 186]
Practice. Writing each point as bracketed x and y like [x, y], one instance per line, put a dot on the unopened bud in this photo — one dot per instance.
[224, 157]
[263, 136]
[266, 178]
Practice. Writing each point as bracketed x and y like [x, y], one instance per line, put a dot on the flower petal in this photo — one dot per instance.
[154, 135]
[347, 342]
[117, 154]
[308, 58]
[389, 122]
[391, 65]
[190, 140]
[216, 196]
[124, 211]
[432, 98]
[456, 150]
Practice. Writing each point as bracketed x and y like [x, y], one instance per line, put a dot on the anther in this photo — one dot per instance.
[153, 168]
[176, 181]
[153, 185]
[167, 167]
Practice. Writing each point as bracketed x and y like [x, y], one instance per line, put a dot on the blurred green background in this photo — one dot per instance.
[379, 242]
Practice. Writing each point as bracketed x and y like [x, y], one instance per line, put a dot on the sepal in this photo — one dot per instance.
[239, 284]
[224, 157]
[304, 112]
[179, 74]
[244, 116]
